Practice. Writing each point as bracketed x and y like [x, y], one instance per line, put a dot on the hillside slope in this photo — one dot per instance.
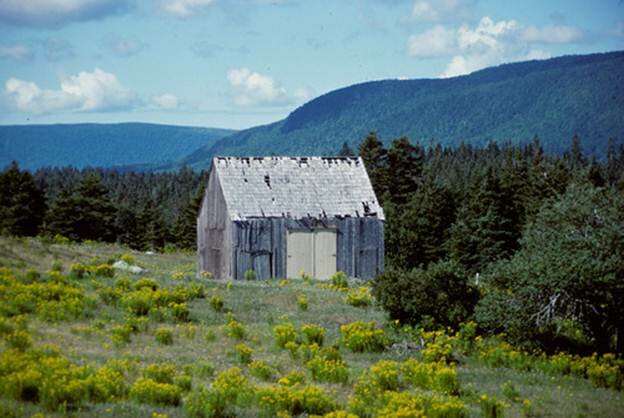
[101, 145]
[553, 99]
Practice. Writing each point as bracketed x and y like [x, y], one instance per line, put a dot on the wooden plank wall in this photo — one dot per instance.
[260, 245]
[214, 231]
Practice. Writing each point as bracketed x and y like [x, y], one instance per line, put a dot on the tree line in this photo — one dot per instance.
[146, 211]
[523, 242]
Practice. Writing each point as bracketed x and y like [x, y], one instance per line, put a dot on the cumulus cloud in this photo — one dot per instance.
[166, 101]
[57, 12]
[488, 43]
[86, 92]
[552, 34]
[254, 89]
[185, 8]
[435, 42]
[126, 47]
[17, 52]
[442, 10]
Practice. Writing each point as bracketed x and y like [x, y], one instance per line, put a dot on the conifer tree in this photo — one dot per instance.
[374, 156]
[405, 165]
[185, 227]
[22, 204]
[345, 150]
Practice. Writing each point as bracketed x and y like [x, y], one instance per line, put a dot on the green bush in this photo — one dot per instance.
[120, 334]
[250, 275]
[441, 295]
[314, 334]
[363, 336]
[164, 336]
[261, 370]
[339, 280]
[216, 303]
[151, 392]
[161, 372]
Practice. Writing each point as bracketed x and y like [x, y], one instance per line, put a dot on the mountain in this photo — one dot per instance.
[553, 99]
[139, 145]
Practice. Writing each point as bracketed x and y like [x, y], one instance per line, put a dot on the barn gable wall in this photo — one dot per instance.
[260, 245]
[214, 231]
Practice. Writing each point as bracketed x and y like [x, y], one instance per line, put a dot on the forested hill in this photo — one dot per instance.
[553, 99]
[101, 145]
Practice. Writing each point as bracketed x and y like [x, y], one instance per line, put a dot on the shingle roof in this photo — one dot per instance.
[296, 187]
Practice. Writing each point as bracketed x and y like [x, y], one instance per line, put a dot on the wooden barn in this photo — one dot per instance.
[280, 216]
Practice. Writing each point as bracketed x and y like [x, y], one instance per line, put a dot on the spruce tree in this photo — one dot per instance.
[22, 204]
[405, 165]
[374, 156]
[345, 150]
[185, 226]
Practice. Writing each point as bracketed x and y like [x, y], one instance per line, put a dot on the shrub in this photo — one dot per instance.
[216, 302]
[359, 297]
[59, 239]
[127, 258]
[234, 329]
[243, 353]
[57, 265]
[184, 382]
[210, 336]
[106, 385]
[284, 334]
[146, 283]
[261, 370]
[250, 275]
[120, 334]
[102, 270]
[151, 392]
[339, 280]
[161, 373]
[440, 294]
[109, 295]
[491, 407]
[331, 371]
[179, 311]
[203, 368]
[314, 334]
[363, 336]
[302, 302]
[274, 400]
[77, 270]
[19, 339]
[164, 336]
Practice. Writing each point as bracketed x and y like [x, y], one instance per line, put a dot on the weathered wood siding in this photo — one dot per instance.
[260, 244]
[214, 231]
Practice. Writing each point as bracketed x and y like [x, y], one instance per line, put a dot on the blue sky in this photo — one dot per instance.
[240, 63]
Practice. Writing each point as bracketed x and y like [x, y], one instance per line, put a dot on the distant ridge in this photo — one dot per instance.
[137, 146]
[554, 99]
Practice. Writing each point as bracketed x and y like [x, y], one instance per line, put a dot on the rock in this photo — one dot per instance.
[122, 265]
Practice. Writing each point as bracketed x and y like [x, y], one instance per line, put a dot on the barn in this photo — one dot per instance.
[280, 216]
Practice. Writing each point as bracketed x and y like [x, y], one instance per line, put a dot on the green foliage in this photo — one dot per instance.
[164, 336]
[566, 272]
[22, 203]
[250, 275]
[216, 302]
[440, 294]
[152, 392]
[360, 336]
[339, 280]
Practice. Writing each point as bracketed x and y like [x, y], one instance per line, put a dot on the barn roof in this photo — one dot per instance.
[296, 187]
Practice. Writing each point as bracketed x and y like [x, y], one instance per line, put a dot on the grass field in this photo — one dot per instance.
[202, 344]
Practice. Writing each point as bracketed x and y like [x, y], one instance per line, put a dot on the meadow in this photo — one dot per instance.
[79, 338]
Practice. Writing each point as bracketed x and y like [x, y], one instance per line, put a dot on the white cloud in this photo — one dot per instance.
[126, 47]
[486, 35]
[252, 89]
[17, 52]
[166, 101]
[57, 12]
[536, 54]
[552, 34]
[442, 10]
[86, 91]
[185, 8]
[435, 42]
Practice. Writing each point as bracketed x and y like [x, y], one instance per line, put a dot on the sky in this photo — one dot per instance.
[240, 63]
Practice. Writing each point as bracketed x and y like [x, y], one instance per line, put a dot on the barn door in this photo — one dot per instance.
[300, 249]
[324, 253]
[313, 252]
